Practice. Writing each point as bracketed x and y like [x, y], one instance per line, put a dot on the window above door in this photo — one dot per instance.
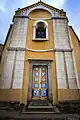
[40, 30]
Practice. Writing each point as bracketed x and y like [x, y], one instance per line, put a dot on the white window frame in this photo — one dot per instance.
[34, 30]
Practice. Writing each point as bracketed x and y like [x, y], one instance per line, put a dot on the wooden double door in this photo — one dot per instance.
[40, 82]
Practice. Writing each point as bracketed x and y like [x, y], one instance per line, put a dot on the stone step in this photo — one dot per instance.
[40, 110]
[40, 106]
[43, 109]
[40, 103]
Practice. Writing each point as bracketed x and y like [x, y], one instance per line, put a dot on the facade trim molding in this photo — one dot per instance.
[41, 21]
[38, 59]
[27, 49]
[63, 50]
[33, 50]
[19, 16]
[16, 49]
[25, 16]
[40, 7]
[60, 18]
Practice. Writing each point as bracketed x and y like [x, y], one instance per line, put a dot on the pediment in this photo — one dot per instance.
[40, 5]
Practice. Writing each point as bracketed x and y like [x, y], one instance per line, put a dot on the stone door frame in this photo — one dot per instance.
[40, 62]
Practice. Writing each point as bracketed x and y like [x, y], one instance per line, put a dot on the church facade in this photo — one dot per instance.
[41, 57]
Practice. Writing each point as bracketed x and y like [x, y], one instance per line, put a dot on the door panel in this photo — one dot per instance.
[40, 82]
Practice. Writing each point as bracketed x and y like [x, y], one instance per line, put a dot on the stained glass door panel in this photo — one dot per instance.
[40, 82]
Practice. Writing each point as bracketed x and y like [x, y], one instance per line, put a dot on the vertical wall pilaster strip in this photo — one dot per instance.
[5, 83]
[30, 82]
[62, 42]
[76, 73]
[18, 40]
[13, 70]
[61, 38]
[65, 68]
[50, 82]
[70, 70]
[19, 69]
[10, 36]
[60, 69]
[7, 45]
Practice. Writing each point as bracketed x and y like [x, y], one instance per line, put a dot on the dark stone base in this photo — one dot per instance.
[72, 106]
[40, 110]
[12, 115]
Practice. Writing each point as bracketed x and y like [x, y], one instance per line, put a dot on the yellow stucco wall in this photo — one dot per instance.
[68, 94]
[10, 94]
[76, 50]
[39, 45]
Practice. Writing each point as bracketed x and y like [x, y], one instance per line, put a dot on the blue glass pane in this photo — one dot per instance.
[36, 85]
[36, 92]
[44, 68]
[36, 74]
[43, 85]
[38, 32]
[43, 74]
[36, 68]
[43, 93]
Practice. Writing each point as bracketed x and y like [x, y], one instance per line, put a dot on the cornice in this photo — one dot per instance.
[34, 50]
[63, 50]
[22, 16]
